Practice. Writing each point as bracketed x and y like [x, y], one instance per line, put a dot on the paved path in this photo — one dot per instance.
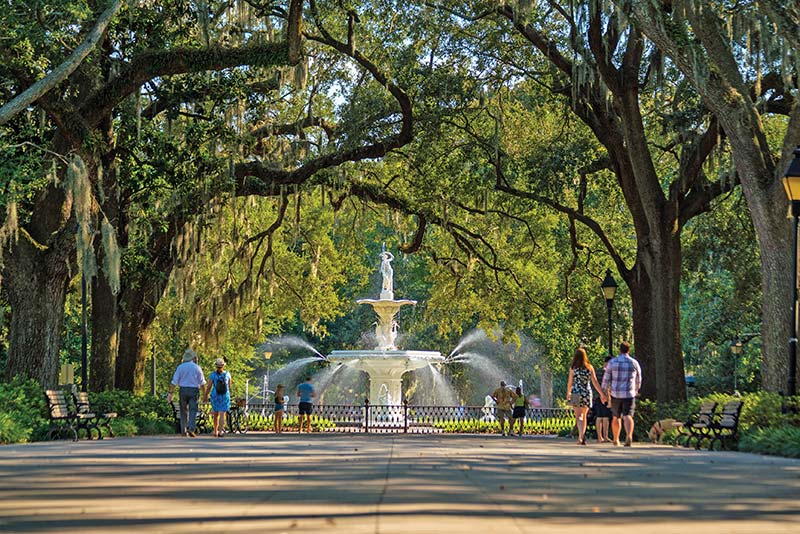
[389, 484]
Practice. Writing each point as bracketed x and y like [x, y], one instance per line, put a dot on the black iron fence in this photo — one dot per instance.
[404, 418]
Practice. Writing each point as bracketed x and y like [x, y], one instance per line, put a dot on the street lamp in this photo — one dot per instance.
[791, 182]
[609, 288]
[736, 349]
[84, 337]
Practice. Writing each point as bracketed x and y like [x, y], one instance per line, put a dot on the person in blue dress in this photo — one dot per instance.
[219, 386]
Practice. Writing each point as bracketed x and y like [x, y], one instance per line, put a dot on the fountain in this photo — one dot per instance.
[386, 364]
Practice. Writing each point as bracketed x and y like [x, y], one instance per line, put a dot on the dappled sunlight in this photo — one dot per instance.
[164, 482]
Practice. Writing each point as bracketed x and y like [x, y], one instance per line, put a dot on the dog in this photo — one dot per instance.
[658, 429]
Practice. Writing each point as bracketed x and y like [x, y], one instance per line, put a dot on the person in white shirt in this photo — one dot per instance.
[189, 379]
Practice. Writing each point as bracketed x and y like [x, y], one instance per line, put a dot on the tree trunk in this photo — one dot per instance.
[654, 284]
[774, 230]
[36, 284]
[105, 332]
[136, 316]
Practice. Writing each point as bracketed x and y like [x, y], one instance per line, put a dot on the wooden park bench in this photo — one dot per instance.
[99, 420]
[698, 427]
[64, 419]
[725, 425]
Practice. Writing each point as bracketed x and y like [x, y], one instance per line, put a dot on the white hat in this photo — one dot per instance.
[219, 363]
[189, 355]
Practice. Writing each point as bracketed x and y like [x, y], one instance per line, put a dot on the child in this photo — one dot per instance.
[280, 406]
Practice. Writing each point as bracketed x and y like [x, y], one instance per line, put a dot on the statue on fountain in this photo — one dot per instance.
[387, 288]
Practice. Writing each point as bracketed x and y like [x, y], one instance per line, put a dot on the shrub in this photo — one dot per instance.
[781, 441]
[148, 414]
[24, 411]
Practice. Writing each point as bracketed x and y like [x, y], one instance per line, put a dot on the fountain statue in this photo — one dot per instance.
[386, 364]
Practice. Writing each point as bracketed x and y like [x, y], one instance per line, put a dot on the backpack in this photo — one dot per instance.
[221, 386]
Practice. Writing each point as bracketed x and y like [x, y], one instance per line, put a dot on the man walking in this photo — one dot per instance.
[306, 393]
[624, 377]
[189, 379]
[504, 397]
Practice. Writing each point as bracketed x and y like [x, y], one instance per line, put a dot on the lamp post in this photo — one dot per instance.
[791, 182]
[736, 349]
[609, 288]
[84, 358]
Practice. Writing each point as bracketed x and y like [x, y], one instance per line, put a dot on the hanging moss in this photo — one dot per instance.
[112, 255]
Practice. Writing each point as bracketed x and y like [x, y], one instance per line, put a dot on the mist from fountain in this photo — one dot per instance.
[288, 375]
[290, 341]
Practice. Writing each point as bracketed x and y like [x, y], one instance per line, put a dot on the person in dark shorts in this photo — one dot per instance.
[306, 393]
[520, 404]
[602, 409]
[623, 377]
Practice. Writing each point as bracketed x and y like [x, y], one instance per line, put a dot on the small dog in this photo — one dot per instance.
[658, 429]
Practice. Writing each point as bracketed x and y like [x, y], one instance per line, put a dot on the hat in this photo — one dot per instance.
[189, 355]
[502, 382]
[219, 363]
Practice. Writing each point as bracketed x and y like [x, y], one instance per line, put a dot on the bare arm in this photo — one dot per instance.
[569, 383]
[596, 385]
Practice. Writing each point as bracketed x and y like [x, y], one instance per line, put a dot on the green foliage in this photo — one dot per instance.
[24, 416]
[136, 414]
[126, 426]
[779, 441]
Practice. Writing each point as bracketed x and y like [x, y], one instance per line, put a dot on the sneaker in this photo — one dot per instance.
[191, 434]
[616, 443]
[627, 443]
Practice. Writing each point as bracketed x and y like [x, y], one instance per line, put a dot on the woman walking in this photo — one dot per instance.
[579, 390]
[280, 407]
[219, 385]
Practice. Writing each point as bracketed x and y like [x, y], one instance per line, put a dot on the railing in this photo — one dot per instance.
[405, 418]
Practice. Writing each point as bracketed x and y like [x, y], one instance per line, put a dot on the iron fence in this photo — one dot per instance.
[406, 418]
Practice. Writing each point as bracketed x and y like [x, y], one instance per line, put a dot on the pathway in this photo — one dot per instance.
[389, 484]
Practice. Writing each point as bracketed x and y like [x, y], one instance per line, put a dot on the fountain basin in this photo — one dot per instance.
[386, 368]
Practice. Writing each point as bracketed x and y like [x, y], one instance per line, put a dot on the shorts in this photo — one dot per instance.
[602, 411]
[279, 407]
[622, 406]
[305, 408]
[519, 412]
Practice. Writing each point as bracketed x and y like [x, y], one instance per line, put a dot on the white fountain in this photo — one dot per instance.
[386, 364]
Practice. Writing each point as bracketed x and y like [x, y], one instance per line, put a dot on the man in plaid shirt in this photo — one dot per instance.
[624, 378]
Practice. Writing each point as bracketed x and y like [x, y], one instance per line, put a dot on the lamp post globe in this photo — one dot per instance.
[791, 182]
[609, 289]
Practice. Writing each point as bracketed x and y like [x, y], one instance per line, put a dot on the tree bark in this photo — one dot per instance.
[136, 316]
[36, 282]
[105, 331]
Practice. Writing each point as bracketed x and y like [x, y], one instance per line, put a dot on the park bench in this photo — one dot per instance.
[698, 427]
[98, 421]
[63, 417]
[725, 426]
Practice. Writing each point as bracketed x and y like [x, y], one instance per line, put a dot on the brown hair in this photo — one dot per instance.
[624, 347]
[580, 360]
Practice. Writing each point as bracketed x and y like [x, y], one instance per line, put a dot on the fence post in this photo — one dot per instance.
[366, 415]
[405, 416]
